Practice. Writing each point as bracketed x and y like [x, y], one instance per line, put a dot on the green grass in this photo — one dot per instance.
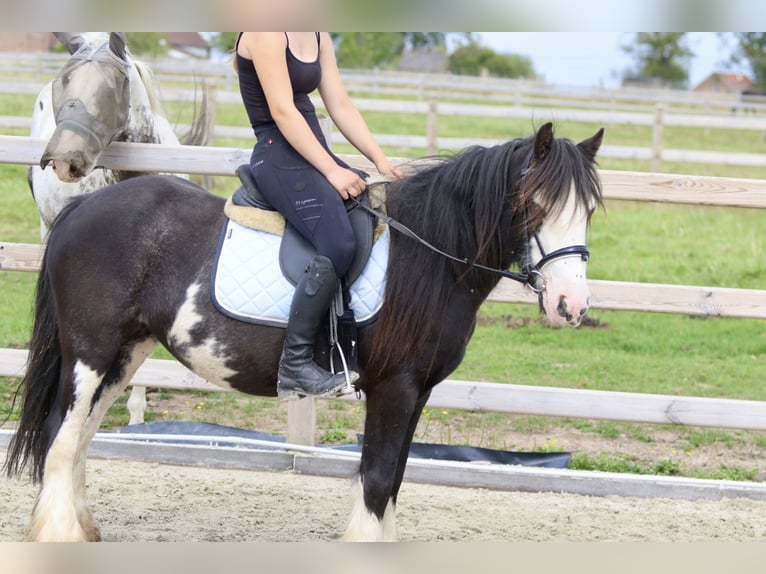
[628, 351]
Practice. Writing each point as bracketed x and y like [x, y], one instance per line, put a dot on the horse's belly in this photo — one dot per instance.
[231, 354]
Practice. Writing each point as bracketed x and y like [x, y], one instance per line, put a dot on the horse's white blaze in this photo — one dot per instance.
[205, 358]
[62, 496]
[364, 526]
[566, 297]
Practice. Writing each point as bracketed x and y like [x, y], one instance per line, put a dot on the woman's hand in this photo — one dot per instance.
[385, 167]
[346, 182]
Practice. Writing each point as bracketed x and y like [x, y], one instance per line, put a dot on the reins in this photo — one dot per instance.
[404, 230]
[531, 275]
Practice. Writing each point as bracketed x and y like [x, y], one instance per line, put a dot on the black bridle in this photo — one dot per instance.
[531, 276]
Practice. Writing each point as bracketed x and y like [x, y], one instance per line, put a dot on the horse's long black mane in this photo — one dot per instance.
[471, 205]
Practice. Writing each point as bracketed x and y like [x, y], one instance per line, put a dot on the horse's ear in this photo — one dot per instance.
[543, 141]
[117, 44]
[72, 41]
[591, 146]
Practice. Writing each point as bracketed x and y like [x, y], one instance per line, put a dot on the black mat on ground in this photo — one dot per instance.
[417, 450]
[473, 453]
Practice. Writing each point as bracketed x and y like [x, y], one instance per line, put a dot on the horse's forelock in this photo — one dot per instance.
[548, 184]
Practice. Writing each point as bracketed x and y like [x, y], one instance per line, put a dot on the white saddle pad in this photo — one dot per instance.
[248, 283]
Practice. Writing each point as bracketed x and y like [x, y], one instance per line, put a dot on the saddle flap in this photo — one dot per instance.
[295, 252]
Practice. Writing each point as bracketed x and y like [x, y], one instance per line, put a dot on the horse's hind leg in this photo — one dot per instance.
[60, 505]
[137, 405]
[61, 512]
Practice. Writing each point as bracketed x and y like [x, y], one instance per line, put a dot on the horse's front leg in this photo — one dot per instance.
[393, 409]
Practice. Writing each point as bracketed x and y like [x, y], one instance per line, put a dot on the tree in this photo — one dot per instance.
[425, 40]
[224, 41]
[751, 48]
[473, 59]
[661, 55]
[146, 43]
[368, 49]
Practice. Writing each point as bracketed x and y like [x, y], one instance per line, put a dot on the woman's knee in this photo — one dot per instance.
[339, 246]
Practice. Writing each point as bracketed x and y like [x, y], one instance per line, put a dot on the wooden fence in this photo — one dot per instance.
[656, 153]
[447, 95]
[480, 396]
[422, 86]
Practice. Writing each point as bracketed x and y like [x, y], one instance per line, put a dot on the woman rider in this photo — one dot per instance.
[295, 170]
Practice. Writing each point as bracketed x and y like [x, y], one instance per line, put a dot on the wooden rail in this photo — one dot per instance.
[435, 144]
[505, 398]
[640, 186]
[35, 68]
[612, 295]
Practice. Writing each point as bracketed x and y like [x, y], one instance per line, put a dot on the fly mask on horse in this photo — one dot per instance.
[101, 94]
[84, 127]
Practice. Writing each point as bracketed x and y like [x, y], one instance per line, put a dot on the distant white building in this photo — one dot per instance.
[434, 61]
[725, 83]
[185, 44]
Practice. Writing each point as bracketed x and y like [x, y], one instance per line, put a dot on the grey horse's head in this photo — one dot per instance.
[91, 102]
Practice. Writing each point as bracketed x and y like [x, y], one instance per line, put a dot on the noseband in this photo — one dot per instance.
[531, 276]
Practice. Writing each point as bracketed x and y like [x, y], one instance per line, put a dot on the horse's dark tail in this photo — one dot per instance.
[40, 386]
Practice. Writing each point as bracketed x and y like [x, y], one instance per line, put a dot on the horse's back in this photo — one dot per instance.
[136, 218]
[145, 198]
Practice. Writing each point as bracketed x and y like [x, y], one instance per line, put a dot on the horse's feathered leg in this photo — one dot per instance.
[388, 432]
[61, 511]
[55, 516]
[114, 386]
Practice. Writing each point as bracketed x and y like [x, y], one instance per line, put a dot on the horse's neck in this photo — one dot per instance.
[99, 178]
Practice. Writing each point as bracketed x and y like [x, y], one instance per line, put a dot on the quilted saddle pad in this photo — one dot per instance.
[248, 283]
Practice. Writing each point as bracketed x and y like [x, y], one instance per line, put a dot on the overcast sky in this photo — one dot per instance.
[595, 58]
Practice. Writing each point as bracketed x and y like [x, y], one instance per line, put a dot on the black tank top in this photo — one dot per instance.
[304, 78]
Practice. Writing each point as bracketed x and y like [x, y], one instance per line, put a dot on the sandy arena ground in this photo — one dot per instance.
[137, 501]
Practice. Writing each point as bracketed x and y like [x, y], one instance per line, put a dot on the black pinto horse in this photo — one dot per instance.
[128, 267]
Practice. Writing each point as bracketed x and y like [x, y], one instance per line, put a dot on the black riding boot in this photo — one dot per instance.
[298, 374]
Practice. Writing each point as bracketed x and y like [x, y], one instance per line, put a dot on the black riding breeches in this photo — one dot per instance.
[303, 195]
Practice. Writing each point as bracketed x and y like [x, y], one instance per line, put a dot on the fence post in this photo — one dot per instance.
[657, 130]
[432, 127]
[302, 413]
[211, 95]
[302, 421]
